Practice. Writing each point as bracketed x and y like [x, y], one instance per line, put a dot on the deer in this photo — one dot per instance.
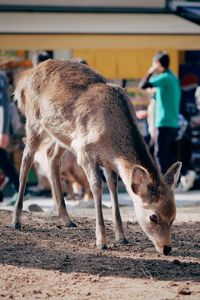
[79, 109]
[72, 175]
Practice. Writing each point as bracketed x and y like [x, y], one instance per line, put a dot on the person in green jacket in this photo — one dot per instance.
[167, 96]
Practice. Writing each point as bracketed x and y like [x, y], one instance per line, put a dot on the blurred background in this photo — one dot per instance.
[116, 38]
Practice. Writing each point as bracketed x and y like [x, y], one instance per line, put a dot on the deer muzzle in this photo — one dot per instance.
[167, 250]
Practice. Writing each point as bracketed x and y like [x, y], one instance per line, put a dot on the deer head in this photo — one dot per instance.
[155, 205]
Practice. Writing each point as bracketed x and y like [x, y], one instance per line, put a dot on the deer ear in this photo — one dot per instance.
[139, 180]
[172, 175]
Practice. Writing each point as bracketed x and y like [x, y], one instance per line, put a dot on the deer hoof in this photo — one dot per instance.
[71, 225]
[122, 241]
[16, 226]
[102, 247]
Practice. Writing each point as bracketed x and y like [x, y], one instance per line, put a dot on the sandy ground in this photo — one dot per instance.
[48, 261]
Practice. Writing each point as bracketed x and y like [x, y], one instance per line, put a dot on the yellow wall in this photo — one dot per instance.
[102, 41]
[122, 63]
[115, 56]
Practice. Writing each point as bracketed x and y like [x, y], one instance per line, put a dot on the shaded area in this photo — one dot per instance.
[44, 243]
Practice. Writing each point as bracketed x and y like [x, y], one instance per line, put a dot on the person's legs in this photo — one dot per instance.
[3, 181]
[185, 154]
[8, 168]
[164, 136]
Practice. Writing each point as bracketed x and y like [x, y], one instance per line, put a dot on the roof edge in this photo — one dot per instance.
[80, 9]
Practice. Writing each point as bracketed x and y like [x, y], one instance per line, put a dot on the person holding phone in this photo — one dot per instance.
[167, 105]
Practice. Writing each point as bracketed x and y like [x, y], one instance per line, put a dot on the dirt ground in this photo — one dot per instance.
[48, 261]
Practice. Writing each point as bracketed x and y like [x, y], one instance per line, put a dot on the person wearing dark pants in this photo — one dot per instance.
[6, 164]
[164, 137]
[167, 106]
[8, 168]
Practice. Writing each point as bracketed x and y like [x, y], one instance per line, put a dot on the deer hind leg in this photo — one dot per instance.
[54, 154]
[70, 192]
[32, 143]
[112, 180]
[93, 174]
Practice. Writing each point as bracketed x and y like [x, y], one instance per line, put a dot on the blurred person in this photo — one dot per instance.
[143, 124]
[6, 164]
[42, 56]
[81, 61]
[167, 105]
[183, 141]
[189, 174]
[151, 120]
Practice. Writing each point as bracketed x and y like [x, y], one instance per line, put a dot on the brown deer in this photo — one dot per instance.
[77, 107]
[71, 173]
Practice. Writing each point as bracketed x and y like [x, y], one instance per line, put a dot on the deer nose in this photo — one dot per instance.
[166, 250]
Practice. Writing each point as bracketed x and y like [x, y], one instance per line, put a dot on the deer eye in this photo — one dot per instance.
[154, 219]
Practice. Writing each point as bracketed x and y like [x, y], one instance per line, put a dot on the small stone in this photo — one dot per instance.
[184, 291]
[177, 262]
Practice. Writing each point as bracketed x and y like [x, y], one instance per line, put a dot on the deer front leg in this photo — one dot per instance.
[112, 180]
[54, 154]
[95, 181]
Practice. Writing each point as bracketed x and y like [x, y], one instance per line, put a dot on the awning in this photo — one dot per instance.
[89, 23]
[89, 30]
[41, 5]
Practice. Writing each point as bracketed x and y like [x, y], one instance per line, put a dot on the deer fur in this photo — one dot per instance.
[72, 175]
[77, 108]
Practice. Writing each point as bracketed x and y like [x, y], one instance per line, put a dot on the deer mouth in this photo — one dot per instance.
[164, 249]
[167, 250]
